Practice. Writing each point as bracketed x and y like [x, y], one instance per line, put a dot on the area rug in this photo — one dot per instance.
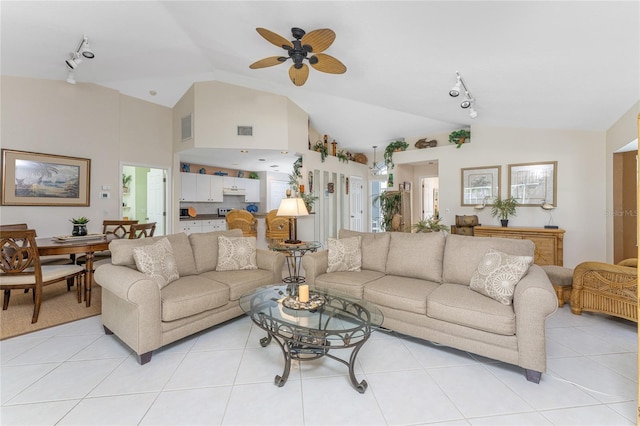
[59, 306]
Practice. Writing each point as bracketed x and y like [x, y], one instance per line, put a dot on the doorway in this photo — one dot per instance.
[144, 195]
[356, 203]
[430, 197]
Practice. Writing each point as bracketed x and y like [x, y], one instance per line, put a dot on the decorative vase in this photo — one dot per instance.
[504, 222]
[79, 230]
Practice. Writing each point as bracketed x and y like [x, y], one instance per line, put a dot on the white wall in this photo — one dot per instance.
[87, 121]
[581, 180]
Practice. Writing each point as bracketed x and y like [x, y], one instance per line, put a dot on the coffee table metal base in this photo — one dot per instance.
[307, 347]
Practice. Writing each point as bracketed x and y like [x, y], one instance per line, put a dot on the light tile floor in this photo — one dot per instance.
[75, 375]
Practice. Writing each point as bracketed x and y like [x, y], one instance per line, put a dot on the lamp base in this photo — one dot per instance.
[292, 241]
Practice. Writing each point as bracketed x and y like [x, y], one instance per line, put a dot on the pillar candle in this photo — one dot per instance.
[302, 189]
[303, 293]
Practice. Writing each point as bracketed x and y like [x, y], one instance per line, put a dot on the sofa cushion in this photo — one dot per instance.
[416, 255]
[205, 248]
[241, 282]
[498, 273]
[347, 283]
[157, 261]
[122, 251]
[344, 255]
[192, 295]
[458, 304]
[405, 294]
[462, 254]
[236, 253]
[374, 247]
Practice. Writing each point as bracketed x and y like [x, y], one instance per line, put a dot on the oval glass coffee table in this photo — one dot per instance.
[308, 331]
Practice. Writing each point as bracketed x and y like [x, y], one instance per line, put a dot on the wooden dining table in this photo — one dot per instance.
[70, 246]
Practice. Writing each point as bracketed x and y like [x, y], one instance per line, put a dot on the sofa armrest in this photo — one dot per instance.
[271, 261]
[131, 306]
[315, 264]
[533, 301]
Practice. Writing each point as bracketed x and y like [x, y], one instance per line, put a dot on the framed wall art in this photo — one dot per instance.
[480, 185]
[34, 179]
[533, 184]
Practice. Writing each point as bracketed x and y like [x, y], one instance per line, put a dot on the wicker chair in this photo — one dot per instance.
[243, 220]
[277, 227]
[606, 288]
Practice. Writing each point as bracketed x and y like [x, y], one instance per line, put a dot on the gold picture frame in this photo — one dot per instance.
[480, 185]
[533, 184]
[35, 179]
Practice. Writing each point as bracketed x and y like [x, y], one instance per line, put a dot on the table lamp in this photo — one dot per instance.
[292, 207]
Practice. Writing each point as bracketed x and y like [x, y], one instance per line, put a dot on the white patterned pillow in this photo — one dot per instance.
[344, 254]
[236, 253]
[498, 273]
[157, 261]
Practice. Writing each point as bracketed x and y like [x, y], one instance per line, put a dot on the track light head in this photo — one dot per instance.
[455, 90]
[73, 61]
[466, 103]
[85, 49]
[473, 113]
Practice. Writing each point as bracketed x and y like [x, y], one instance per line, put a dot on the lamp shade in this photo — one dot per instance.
[292, 207]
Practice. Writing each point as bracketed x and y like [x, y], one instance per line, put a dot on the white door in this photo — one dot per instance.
[155, 199]
[356, 202]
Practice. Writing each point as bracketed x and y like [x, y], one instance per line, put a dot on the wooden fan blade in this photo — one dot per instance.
[319, 40]
[268, 62]
[274, 38]
[299, 76]
[327, 64]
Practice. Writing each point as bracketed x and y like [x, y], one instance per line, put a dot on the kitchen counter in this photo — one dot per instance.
[215, 216]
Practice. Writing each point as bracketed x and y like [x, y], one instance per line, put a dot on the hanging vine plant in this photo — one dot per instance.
[390, 149]
[297, 165]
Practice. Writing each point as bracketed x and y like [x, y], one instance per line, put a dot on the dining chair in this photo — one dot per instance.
[44, 260]
[244, 220]
[20, 268]
[117, 228]
[276, 227]
[141, 230]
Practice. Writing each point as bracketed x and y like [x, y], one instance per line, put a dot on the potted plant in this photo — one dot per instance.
[390, 149]
[126, 181]
[430, 224]
[459, 137]
[79, 226]
[322, 149]
[309, 199]
[503, 208]
[390, 203]
[342, 156]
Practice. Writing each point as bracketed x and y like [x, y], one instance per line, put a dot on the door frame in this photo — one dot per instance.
[168, 217]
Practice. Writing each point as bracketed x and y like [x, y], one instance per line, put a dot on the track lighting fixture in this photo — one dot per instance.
[468, 100]
[75, 58]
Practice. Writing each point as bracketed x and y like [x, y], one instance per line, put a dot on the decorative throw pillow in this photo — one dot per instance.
[344, 254]
[157, 261]
[236, 253]
[498, 273]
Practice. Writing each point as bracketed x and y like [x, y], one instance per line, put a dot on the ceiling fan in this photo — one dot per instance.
[314, 42]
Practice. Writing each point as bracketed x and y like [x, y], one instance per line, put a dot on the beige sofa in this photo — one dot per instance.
[421, 284]
[147, 318]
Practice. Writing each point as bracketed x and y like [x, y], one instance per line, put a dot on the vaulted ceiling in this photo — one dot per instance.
[569, 65]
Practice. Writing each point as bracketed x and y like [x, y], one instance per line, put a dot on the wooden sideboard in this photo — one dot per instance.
[548, 241]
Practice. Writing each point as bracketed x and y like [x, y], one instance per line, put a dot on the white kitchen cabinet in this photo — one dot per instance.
[252, 190]
[188, 187]
[190, 226]
[207, 225]
[232, 182]
[208, 188]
